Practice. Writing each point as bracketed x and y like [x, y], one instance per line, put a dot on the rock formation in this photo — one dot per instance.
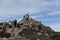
[26, 29]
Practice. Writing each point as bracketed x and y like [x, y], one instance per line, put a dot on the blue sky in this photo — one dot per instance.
[47, 11]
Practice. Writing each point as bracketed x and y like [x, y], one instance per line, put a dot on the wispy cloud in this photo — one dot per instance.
[55, 13]
[55, 26]
[39, 9]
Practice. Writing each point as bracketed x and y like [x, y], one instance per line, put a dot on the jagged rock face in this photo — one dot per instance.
[27, 28]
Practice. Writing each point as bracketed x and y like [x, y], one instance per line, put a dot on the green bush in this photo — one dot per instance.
[3, 34]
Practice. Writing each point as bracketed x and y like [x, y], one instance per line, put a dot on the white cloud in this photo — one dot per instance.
[21, 6]
[55, 26]
[15, 8]
[54, 13]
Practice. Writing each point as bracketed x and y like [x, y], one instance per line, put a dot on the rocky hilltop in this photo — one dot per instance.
[27, 29]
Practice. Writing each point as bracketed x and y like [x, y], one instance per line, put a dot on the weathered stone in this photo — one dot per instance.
[29, 28]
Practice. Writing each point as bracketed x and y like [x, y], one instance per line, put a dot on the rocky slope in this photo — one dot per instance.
[27, 29]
